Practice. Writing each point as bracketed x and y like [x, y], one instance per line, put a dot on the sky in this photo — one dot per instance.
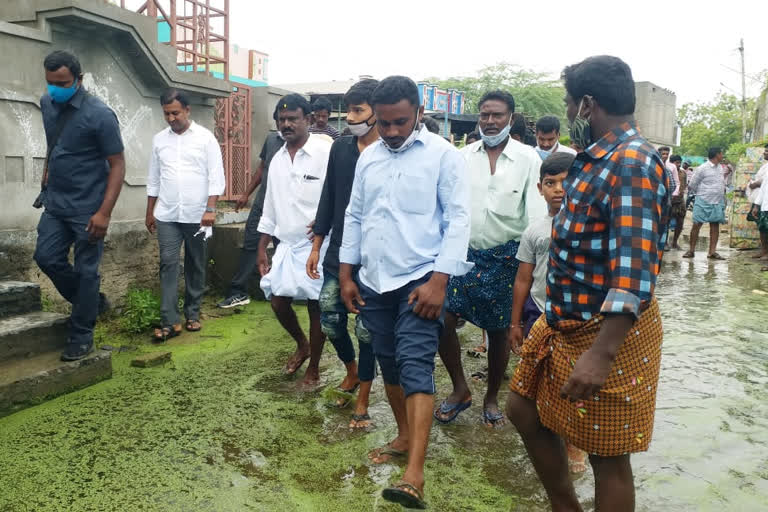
[684, 46]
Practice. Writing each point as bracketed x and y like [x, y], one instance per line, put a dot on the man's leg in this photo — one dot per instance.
[614, 483]
[378, 316]
[316, 344]
[714, 235]
[366, 372]
[678, 232]
[287, 318]
[194, 271]
[450, 354]
[694, 238]
[54, 238]
[333, 320]
[498, 358]
[763, 244]
[85, 306]
[547, 453]
[249, 260]
[417, 341]
[169, 239]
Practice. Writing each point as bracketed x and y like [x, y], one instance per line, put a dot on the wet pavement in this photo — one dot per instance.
[220, 428]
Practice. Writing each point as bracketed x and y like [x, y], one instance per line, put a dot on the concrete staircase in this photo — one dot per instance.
[31, 341]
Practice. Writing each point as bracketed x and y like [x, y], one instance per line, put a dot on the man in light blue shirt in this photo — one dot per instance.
[407, 226]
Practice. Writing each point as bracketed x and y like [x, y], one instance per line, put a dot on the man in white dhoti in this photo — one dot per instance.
[296, 176]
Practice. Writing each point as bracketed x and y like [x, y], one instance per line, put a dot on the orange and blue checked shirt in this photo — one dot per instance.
[608, 238]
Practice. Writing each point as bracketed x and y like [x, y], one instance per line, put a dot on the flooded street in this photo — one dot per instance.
[221, 429]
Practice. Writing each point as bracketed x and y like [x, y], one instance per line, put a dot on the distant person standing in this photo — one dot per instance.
[321, 113]
[249, 255]
[548, 136]
[186, 178]
[665, 151]
[708, 184]
[678, 199]
[756, 195]
[81, 182]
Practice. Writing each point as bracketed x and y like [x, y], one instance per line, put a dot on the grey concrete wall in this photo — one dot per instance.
[655, 113]
[126, 68]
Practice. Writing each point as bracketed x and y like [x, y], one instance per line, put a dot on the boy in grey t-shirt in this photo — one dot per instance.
[530, 290]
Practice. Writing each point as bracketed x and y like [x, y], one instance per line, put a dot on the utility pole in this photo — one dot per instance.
[743, 94]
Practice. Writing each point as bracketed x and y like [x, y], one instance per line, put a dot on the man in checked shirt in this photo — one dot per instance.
[589, 370]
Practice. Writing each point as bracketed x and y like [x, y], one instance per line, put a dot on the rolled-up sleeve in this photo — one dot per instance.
[350, 243]
[453, 193]
[153, 176]
[216, 181]
[634, 239]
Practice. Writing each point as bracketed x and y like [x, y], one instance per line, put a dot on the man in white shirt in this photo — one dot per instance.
[503, 176]
[186, 177]
[296, 177]
[548, 136]
[756, 195]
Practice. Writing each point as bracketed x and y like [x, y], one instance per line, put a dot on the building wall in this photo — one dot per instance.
[130, 252]
[655, 113]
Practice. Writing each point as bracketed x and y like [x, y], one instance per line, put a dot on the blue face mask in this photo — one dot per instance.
[544, 154]
[62, 94]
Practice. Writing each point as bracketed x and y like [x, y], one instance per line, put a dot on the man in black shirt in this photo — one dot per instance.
[249, 257]
[81, 182]
[330, 219]
[321, 112]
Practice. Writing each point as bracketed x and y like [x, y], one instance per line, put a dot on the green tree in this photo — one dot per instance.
[715, 123]
[536, 94]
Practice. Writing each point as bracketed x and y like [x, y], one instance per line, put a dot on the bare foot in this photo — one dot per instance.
[398, 448]
[297, 360]
[311, 379]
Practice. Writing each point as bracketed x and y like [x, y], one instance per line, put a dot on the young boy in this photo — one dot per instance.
[530, 290]
[330, 219]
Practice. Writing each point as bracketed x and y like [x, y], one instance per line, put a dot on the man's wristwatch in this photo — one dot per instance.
[208, 209]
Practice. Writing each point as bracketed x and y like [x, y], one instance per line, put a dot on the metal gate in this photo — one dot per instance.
[233, 131]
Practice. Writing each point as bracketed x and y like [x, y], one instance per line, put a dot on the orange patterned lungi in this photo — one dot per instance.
[619, 419]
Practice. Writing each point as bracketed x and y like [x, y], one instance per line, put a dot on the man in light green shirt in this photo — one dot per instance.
[505, 199]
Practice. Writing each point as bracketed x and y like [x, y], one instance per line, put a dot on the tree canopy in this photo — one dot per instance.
[708, 124]
[536, 94]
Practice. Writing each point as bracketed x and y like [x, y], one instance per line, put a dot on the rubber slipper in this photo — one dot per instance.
[493, 419]
[193, 325]
[450, 410]
[357, 418]
[386, 450]
[688, 254]
[166, 333]
[405, 495]
[715, 256]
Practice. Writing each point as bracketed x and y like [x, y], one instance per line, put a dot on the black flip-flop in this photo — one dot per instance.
[357, 418]
[399, 494]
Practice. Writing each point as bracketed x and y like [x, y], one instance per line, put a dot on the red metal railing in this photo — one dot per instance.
[198, 30]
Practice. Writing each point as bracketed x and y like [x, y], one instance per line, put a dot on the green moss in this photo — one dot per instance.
[220, 428]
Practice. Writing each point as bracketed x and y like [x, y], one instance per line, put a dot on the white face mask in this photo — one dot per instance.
[494, 140]
[409, 141]
[362, 128]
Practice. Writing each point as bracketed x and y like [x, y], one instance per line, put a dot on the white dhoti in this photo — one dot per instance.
[288, 275]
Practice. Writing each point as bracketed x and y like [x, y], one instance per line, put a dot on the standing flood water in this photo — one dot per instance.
[221, 429]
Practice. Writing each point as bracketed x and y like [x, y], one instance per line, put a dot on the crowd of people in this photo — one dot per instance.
[552, 250]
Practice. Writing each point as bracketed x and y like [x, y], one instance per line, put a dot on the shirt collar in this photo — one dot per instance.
[611, 140]
[509, 150]
[78, 97]
[192, 128]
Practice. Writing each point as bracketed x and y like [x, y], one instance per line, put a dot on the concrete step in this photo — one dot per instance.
[17, 297]
[29, 381]
[29, 334]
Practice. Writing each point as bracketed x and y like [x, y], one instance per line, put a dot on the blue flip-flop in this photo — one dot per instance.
[451, 409]
[493, 419]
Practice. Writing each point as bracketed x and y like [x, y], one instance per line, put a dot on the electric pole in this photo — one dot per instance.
[743, 94]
